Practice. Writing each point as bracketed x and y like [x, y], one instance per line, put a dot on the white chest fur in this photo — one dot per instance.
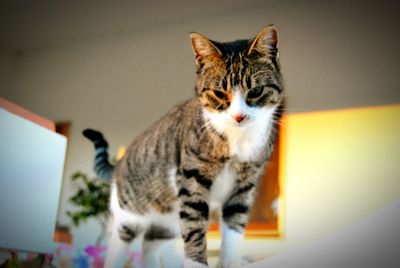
[247, 139]
[247, 142]
[222, 186]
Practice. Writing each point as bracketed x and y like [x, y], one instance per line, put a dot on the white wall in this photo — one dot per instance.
[333, 55]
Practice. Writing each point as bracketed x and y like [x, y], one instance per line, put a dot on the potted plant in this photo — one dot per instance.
[91, 198]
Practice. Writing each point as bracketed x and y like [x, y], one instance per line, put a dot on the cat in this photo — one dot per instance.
[207, 153]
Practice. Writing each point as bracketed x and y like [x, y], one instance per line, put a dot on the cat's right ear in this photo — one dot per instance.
[266, 42]
[204, 50]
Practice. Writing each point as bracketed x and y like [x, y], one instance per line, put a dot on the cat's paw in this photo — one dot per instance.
[238, 263]
[188, 263]
[235, 264]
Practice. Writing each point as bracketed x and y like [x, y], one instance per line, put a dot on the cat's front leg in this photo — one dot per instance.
[232, 237]
[235, 214]
[231, 247]
[193, 217]
[194, 211]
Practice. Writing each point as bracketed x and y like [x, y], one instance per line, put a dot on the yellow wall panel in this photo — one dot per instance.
[339, 167]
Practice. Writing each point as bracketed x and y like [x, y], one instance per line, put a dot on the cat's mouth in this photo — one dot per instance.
[240, 124]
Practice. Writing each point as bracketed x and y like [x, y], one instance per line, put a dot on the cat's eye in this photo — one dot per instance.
[255, 92]
[219, 94]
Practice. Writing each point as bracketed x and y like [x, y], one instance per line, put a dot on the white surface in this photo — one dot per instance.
[372, 242]
[31, 166]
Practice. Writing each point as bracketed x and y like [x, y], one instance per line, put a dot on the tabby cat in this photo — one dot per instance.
[207, 153]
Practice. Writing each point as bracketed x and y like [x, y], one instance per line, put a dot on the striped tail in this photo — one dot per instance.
[102, 166]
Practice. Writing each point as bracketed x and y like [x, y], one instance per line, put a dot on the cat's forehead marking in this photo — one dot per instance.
[235, 71]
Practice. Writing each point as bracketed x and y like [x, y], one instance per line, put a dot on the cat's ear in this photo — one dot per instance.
[204, 49]
[266, 42]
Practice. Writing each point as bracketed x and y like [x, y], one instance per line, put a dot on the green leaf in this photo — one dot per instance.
[90, 199]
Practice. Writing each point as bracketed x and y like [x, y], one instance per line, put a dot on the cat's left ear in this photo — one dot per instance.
[204, 49]
[266, 42]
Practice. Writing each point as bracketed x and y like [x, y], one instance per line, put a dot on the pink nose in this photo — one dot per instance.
[239, 117]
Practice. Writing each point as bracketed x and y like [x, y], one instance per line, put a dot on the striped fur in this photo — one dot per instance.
[206, 153]
[102, 166]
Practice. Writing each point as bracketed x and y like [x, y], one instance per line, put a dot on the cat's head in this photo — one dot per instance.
[238, 81]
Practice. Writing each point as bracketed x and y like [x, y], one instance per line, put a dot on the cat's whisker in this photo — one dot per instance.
[291, 109]
[276, 118]
[281, 126]
[211, 140]
[280, 123]
[207, 126]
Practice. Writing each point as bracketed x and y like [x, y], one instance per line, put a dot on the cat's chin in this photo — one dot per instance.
[241, 125]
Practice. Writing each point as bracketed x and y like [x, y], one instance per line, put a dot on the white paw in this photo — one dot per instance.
[238, 263]
[188, 263]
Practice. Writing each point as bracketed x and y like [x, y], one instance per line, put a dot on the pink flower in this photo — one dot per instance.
[98, 262]
[94, 251]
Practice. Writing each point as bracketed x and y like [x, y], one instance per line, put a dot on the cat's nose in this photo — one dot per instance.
[239, 117]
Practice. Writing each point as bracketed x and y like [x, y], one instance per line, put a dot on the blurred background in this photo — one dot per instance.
[117, 66]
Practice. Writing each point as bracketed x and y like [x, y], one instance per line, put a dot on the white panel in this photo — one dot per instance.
[31, 166]
[369, 243]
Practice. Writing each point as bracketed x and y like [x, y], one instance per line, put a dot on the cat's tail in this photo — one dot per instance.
[102, 166]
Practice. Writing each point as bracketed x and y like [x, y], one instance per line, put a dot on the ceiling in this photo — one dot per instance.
[30, 25]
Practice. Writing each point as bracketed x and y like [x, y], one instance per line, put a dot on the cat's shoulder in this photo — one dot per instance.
[186, 108]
